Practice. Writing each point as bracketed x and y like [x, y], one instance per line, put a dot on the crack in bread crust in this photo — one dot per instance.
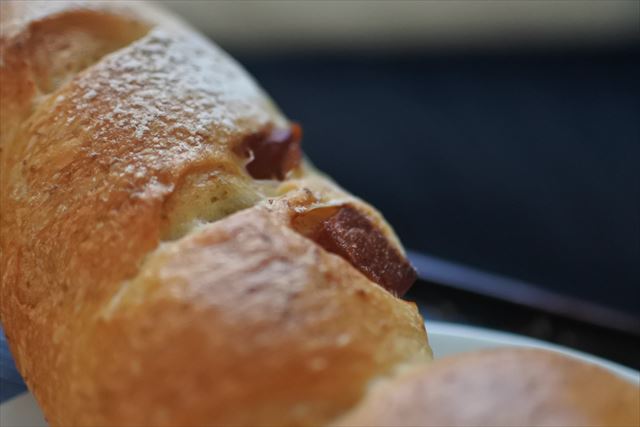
[39, 57]
[296, 321]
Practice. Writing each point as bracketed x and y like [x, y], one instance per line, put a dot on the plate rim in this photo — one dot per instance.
[497, 338]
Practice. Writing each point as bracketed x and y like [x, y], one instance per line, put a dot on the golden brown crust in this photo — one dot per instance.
[501, 387]
[44, 44]
[259, 327]
[120, 304]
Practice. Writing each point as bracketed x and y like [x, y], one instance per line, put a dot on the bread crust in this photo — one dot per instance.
[147, 278]
[501, 387]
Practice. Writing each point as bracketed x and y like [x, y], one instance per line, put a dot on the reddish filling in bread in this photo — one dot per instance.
[345, 231]
[272, 152]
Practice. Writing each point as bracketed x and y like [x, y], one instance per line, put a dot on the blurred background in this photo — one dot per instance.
[500, 138]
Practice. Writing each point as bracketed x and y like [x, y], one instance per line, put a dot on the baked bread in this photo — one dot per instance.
[159, 265]
[500, 387]
[168, 256]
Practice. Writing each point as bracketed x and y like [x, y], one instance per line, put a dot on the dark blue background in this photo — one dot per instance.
[10, 381]
[522, 164]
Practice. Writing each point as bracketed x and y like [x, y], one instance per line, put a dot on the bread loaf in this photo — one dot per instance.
[151, 274]
[502, 388]
[168, 255]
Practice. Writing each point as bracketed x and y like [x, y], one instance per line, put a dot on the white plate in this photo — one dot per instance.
[446, 339]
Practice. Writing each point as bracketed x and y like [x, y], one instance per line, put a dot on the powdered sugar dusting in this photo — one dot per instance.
[90, 95]
[142, 120]
[171, 90]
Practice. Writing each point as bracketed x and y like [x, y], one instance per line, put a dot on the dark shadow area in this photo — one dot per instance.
[443, 303]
